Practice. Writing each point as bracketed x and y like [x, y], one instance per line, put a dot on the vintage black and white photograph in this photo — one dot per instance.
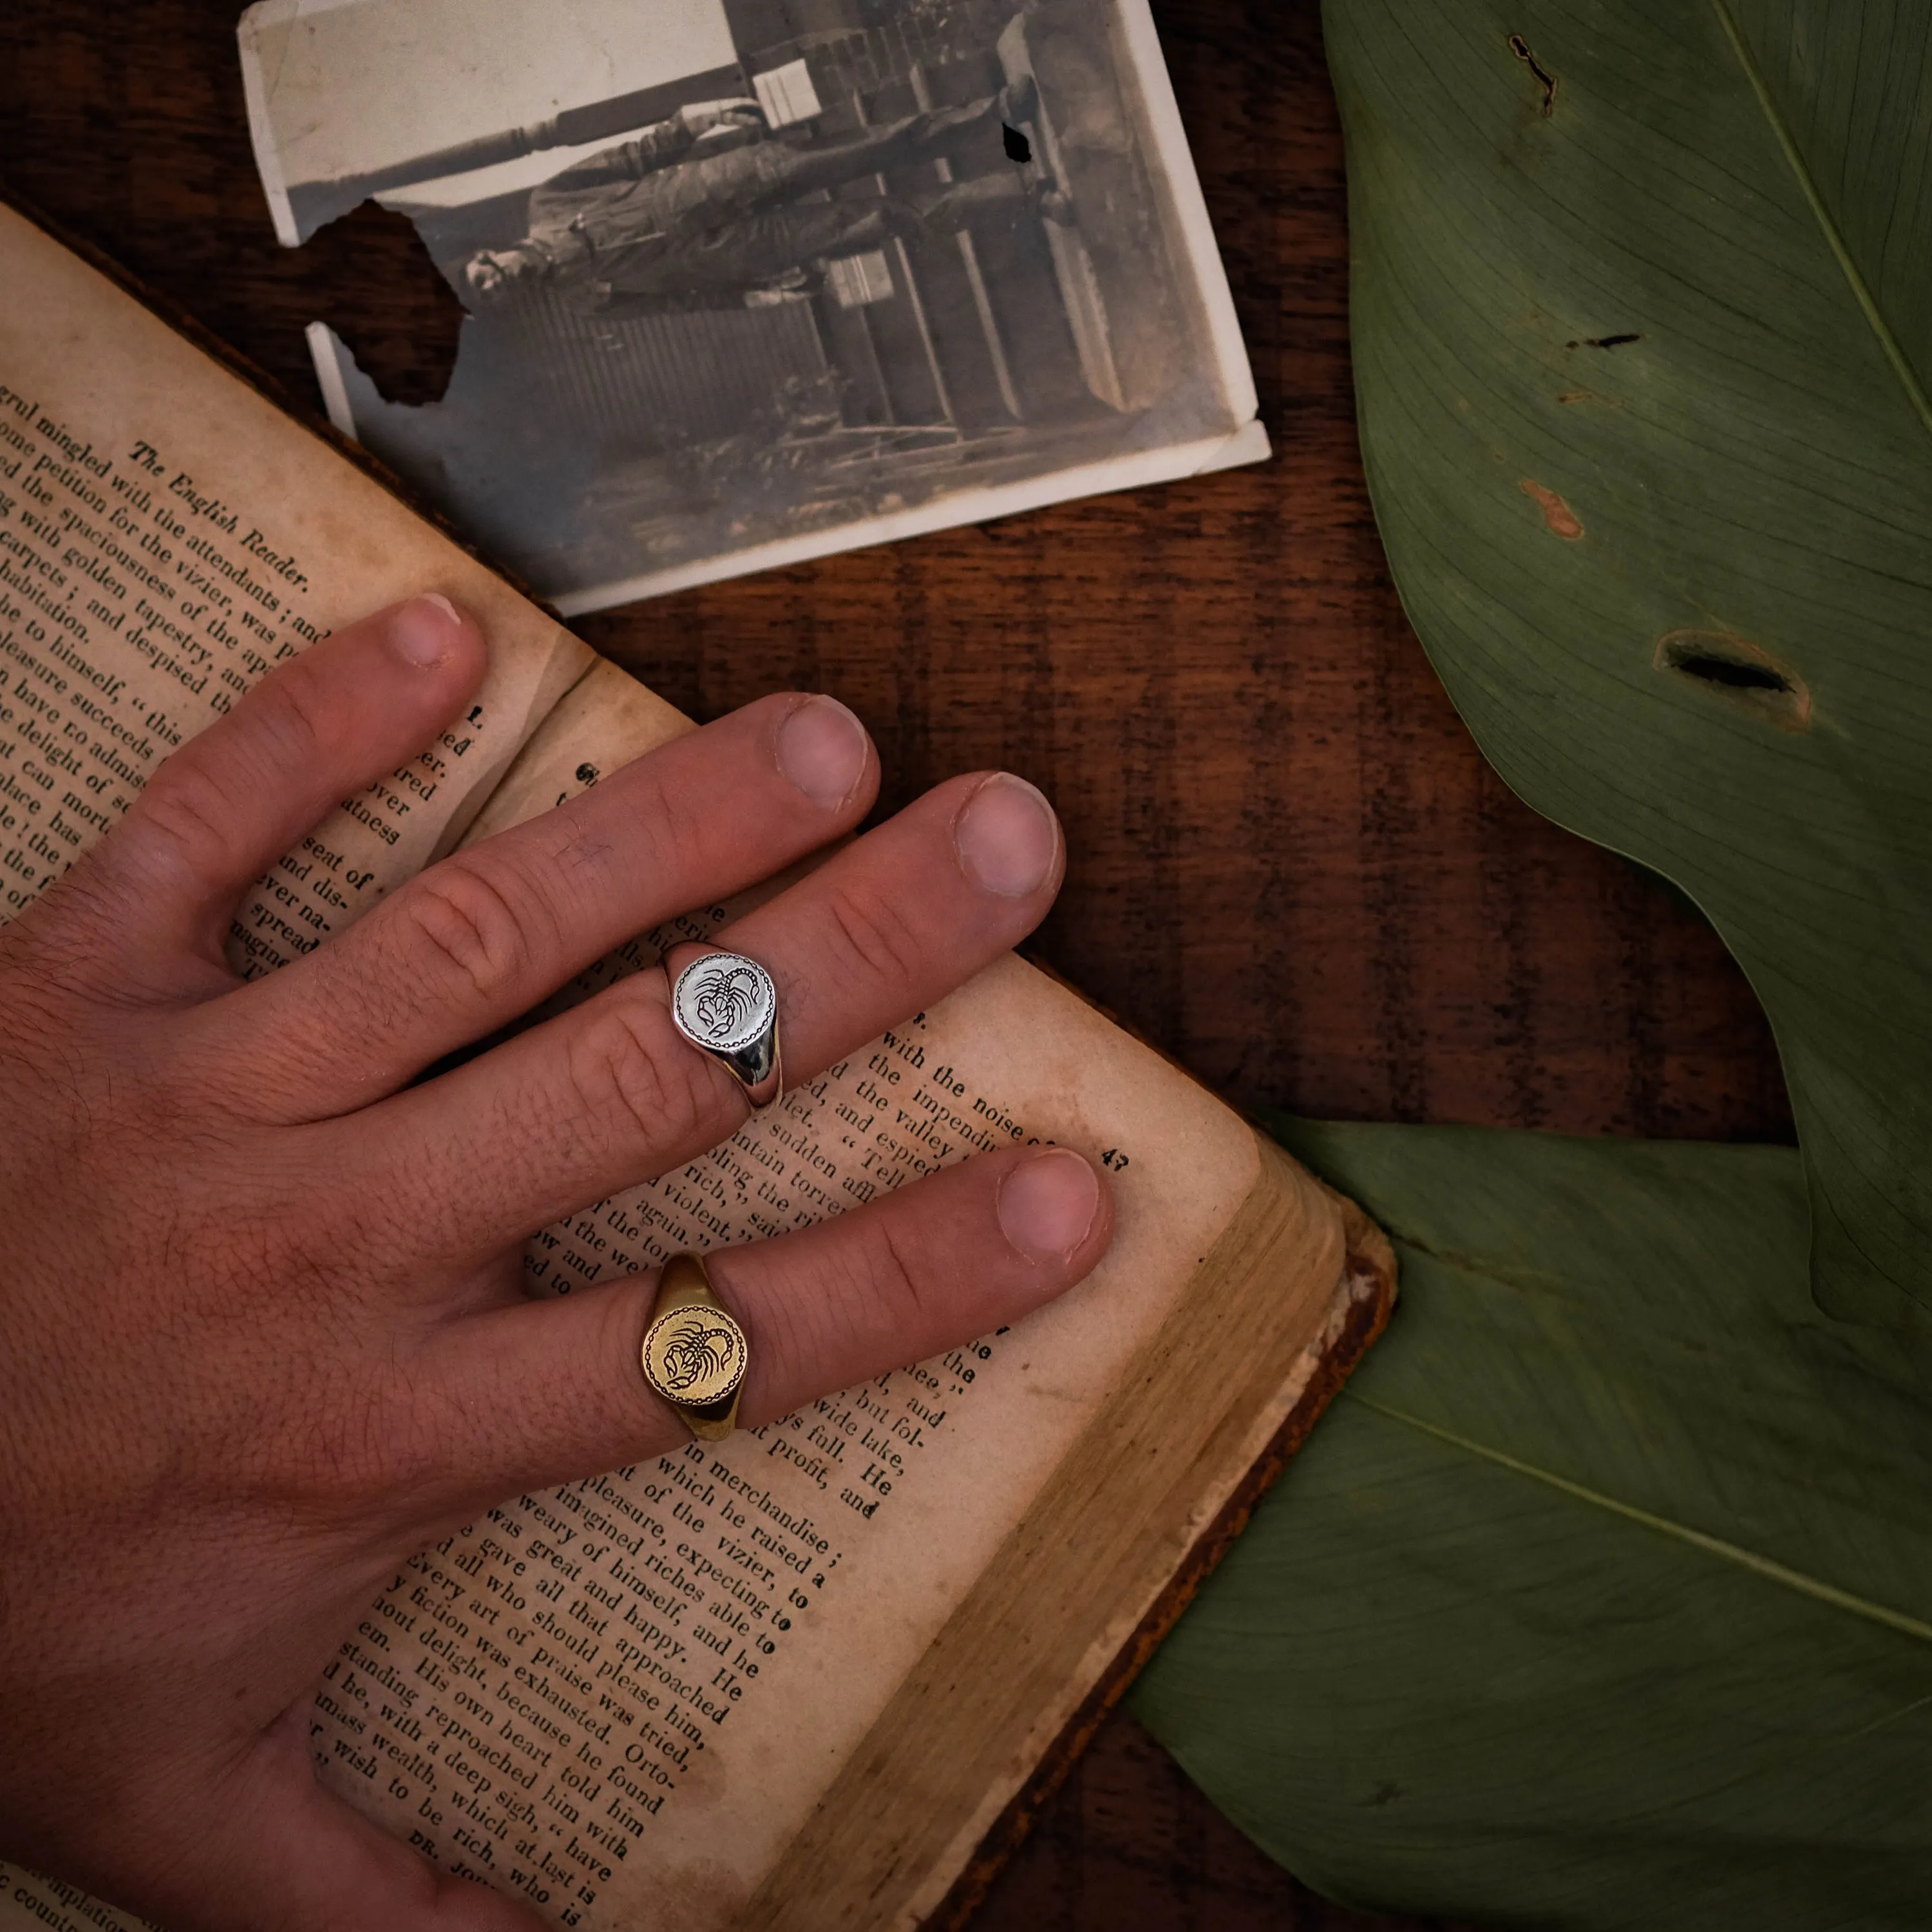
[747, 281]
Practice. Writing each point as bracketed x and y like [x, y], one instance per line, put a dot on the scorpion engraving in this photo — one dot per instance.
[724, 998]
[695, 1352]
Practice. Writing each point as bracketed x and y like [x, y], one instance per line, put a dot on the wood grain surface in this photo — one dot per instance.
[1290, 867]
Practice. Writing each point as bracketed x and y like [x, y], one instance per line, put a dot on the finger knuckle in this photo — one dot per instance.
[464, 923]
[871, 1295]
[682, 824]
[891, 1274]
[192, 809]
[294, 715]
[873, 937]
[627, 1072]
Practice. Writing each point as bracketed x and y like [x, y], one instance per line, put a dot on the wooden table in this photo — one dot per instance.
[1290, 867]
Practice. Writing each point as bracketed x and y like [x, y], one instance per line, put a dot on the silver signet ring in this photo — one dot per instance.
[728, 1005]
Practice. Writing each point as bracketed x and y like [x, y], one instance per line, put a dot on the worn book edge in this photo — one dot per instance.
[1362, 1304]
[917, 1825]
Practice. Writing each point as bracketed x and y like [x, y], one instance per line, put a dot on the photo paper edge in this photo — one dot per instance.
[1177, 157]
[326, 351]
[1173, 463]
[261, 132]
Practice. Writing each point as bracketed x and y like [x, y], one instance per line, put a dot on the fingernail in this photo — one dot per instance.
[1007, 837]
[822, 748]
[424, 630]
[1046, 1205]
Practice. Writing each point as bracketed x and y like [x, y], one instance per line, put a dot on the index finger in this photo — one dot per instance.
[164, 883]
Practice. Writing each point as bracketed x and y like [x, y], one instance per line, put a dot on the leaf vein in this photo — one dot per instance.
[1766, 1566]
[1828, 225]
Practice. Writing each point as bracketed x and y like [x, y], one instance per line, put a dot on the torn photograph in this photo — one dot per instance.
[748, 281]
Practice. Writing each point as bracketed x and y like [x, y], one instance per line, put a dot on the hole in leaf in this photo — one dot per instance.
[1722, 670]
[1019, 147]
[1736, 669]
[1545, 79]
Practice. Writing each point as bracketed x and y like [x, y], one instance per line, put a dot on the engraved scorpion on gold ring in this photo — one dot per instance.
[693, 1354]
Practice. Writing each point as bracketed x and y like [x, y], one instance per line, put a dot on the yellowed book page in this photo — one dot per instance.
[166, 536]
[605, 720]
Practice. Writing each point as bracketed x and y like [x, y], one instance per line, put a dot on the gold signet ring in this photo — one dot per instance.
[728, 1005]
[695, 1355]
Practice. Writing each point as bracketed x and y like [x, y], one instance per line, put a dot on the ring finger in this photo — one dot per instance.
[609, 1094]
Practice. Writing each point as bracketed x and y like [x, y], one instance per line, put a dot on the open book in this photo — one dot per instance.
[814, 1676]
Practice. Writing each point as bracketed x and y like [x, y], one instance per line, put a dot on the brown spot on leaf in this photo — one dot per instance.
[1561, 521]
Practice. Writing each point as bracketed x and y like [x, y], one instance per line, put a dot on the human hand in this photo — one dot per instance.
[700, 118]
[260, 1307]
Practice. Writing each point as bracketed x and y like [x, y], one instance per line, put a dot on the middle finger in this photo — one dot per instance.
[478, 940]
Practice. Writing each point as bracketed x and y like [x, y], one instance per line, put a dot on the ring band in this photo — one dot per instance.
[694, 1354]
[728, 1005]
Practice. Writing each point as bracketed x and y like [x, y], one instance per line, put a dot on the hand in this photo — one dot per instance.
[699, 117]
[260, 1294]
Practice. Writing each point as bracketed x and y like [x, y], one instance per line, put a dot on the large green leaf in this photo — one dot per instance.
[1642, 315]
[1603, 1596]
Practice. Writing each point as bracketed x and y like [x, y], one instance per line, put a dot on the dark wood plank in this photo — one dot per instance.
[1290, 867]
[1130, 1846]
